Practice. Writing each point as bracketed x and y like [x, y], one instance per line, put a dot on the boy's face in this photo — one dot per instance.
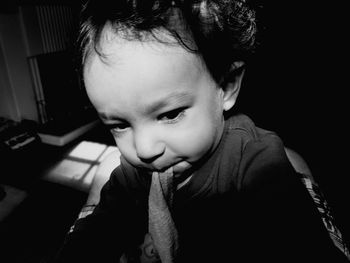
[159, 101]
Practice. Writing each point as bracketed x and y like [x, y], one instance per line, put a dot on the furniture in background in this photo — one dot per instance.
[64, 109]
[18, 141]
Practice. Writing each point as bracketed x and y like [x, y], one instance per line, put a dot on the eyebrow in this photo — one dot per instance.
[173, 98]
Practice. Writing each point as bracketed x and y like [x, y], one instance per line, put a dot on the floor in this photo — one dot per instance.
[41, 211]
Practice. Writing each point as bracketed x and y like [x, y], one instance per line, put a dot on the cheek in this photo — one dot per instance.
[198, 136]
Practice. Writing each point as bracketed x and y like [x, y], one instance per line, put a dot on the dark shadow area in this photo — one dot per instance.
[295, 87]
[35, 229]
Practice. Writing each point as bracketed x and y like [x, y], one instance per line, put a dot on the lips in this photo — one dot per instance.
[178, 167]
[164, 168]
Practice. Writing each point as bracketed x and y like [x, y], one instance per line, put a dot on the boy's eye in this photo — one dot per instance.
[119, 127]
[173, 115]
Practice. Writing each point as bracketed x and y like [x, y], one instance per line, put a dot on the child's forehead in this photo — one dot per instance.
[116, 46]
[152, 58]
[175, 34]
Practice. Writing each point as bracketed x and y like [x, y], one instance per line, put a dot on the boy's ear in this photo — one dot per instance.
[231, 84]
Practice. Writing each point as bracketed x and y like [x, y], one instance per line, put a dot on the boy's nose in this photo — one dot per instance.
[148, 147]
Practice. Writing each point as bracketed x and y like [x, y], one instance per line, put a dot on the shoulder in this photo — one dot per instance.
[262, 155]
[257, 135]
[243, 127]
[253, 142]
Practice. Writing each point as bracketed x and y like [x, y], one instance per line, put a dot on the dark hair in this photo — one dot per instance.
[223, 30]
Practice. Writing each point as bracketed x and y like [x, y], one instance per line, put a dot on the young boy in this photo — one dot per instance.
[196, 183]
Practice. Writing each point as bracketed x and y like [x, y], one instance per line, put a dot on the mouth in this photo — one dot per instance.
[181, 170]
[178, 167]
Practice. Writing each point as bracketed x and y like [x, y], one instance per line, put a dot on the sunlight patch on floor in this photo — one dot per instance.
[78, 168]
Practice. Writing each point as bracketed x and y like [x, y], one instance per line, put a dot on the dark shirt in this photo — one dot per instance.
[245, 203]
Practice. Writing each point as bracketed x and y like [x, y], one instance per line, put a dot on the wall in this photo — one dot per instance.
[8, 104]
[17, 96]
[26, 31]
[31, 30]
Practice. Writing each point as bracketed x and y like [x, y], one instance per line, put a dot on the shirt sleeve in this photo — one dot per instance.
[104, 233]
[281, 218]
